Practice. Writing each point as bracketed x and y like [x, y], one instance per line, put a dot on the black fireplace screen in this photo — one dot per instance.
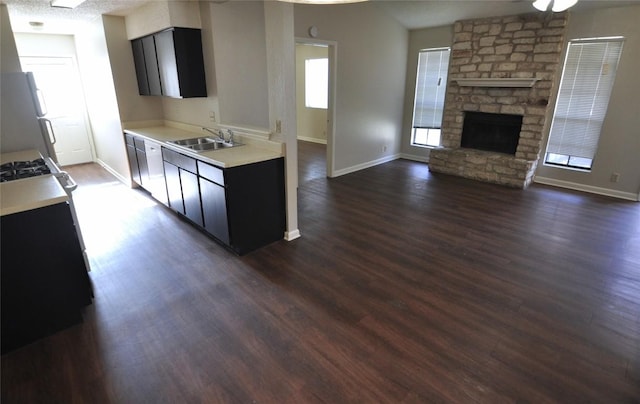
[491, 132]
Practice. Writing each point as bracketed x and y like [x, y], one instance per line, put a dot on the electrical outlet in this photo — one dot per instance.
[278, 126]
[615, 177]
[384, 148]
[212, 116]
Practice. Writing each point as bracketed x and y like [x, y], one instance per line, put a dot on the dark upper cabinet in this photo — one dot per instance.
[170, 63]
[146, 64]
[151, 66]
[141, 67]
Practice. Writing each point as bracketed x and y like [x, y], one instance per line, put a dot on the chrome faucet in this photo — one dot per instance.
[230, 132]
[219, 134]
[210, 131]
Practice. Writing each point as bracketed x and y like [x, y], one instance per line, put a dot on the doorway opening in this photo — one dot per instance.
[315, 94]
[59, 81]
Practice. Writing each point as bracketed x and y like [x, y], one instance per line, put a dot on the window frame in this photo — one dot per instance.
[597, 98]
[442, 73]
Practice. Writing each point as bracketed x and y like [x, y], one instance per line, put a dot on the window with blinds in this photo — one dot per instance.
[431, 85]
[587, 79]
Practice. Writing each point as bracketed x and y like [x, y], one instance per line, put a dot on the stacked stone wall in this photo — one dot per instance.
[522, 46]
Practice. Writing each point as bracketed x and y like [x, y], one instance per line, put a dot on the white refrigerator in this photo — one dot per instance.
[23, 124]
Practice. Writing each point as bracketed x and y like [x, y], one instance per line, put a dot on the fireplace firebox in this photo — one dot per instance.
[498, 133]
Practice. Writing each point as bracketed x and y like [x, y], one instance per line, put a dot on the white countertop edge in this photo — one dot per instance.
[30, 193]
[253, 150]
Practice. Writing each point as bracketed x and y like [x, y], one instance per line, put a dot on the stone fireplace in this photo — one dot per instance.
[503, 66]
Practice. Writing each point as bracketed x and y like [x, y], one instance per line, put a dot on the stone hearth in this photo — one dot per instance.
[522, 46]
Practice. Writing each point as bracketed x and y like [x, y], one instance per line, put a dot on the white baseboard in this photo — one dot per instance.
[292, 235]
[587, 188]
[312, 139]
[358, 167]
[413, 157]
[120, 178]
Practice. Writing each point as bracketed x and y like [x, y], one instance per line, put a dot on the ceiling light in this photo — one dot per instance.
[66, 3]
[556, 5]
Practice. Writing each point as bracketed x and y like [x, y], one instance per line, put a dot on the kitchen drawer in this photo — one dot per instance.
[185, 162]
[129, 139]
[212, 173]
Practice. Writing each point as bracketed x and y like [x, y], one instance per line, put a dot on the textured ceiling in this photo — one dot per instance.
[63, 20]
[412, 14]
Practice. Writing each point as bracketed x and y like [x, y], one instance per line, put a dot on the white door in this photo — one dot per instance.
[58, 79]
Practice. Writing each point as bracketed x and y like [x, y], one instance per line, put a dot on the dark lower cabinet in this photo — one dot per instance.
[214, 209]
[156, 183]
[133, 159]
[242, 207]
[182, 185]
[174, 189]
[137, 156]
[44, 280]
[191, 196]
[146, 166]
[255, 204]
[141, 157]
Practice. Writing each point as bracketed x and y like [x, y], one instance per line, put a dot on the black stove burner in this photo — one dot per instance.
[23, 169]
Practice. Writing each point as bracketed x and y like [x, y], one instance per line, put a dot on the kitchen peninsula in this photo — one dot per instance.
[234, 194]
[44, 278]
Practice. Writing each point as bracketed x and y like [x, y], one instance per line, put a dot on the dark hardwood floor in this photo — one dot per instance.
[312, 161]
[405, 287]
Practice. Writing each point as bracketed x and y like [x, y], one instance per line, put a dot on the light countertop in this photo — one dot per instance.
[24, 155]
[28, 193]
[250, 152]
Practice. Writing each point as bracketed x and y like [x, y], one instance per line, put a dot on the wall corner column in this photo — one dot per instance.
[280, 41]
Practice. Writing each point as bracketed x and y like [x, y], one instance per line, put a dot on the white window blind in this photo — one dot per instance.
[431, 84]
[587, 79]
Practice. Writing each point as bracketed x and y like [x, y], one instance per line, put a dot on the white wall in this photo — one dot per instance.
[234, 51]
[45, 45]
[419, 39]
[131, 105]
[619, 147]
[238, 34]
[9, 61]
[371, 68]
[311, 122]
[100, 92]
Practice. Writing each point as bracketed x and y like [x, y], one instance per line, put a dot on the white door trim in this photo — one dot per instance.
[333, 68]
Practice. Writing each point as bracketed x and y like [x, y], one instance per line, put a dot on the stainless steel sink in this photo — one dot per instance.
[201, 144]
[193, 141]
[212, 146]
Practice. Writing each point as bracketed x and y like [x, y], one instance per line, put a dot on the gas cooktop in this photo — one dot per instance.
[23, 169]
